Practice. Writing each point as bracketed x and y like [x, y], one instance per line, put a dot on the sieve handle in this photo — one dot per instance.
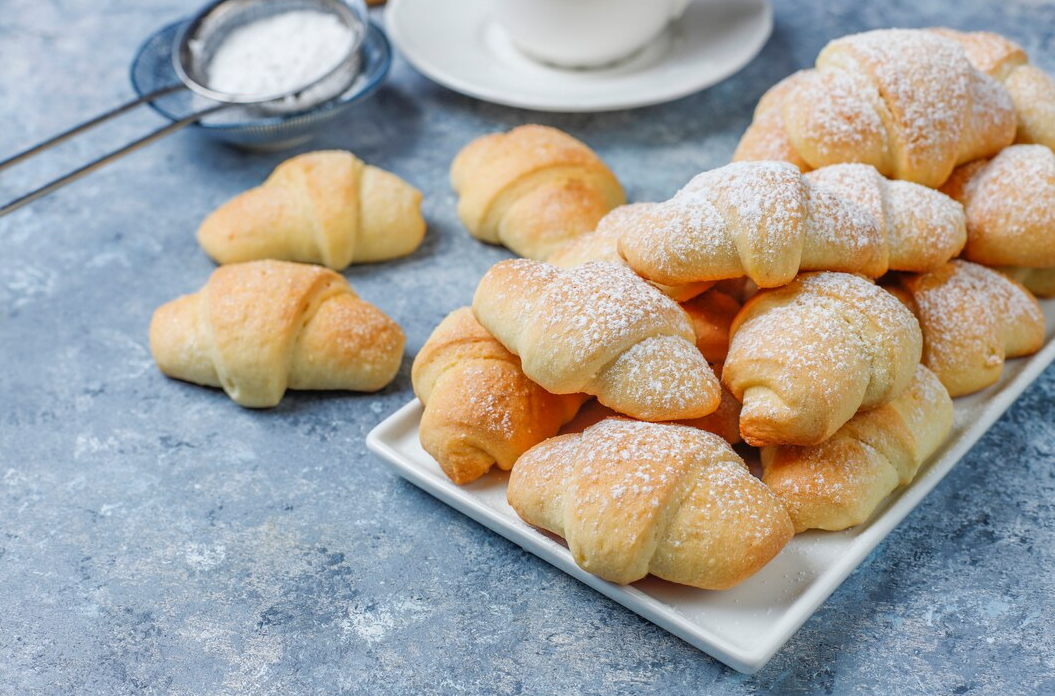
[107, 158]
[88, 125]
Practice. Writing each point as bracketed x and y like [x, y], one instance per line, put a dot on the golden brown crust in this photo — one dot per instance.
[602, 330]
[481, 410]
[259, 327]
[712, 314]
[840, 482]
[634, 498]
[1008, 201]
[972, 318]
[1032, 90]
[321, 207]
[803, 359]
[532, 189]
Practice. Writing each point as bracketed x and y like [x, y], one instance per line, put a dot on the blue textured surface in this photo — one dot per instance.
[156, 538]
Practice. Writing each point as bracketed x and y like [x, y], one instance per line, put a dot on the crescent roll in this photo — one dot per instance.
[804, 358]
[1032, 90]
[840, 482]
[1010, 206]
[756, 219]
[599, 329]
[481, 410]
[321, 207]
[260, 327]
[532, 189]
[923, 228]
[908, 102]
[634, 498]
[973, 319]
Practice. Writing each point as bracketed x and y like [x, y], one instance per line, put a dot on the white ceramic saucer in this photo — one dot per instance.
[458, 44]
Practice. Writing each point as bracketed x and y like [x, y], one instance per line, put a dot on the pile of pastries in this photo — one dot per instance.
[874, 251]
[868, 256]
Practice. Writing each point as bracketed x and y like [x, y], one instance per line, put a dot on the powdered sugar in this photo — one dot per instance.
[972, 318]
[759, 219]
[580, 330]
[908, 102]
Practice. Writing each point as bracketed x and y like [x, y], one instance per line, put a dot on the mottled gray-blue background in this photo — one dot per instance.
[156, 538]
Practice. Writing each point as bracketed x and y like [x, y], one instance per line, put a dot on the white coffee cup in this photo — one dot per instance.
[584, 33]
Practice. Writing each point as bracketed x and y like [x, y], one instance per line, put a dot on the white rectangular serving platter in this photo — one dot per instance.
[746, 625]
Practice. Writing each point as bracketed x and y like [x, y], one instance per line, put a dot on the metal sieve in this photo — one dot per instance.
[200, 38]
[196, 45]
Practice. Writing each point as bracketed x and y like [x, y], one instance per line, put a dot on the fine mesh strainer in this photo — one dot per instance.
[195, 46]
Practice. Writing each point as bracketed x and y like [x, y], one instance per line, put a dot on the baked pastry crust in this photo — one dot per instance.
[481, 410]
[599, 329]
[840, 482]
[260, 327]
[324, 207]
[804, 358]
[532, 189]
[756, 219]
[634, 498]
[973, 318]
[1009, 205]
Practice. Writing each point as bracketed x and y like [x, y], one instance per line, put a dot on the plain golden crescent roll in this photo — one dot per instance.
[601, 330]
[1010, 206]
[973, 318]
[804, 358]
[532, 189]
[756, 219]
[481, 410]
[905, 101]
[634, 499]
[924, 228]
[840, 482]
[323, 207]
[261, 327]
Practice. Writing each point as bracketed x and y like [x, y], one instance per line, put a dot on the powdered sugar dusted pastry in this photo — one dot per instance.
[532, 189]
[602, 330]
[756, 219]
[973, 318]
[906, 101]
[1032, 90]
[481, 410]
[1010, 204]
[261, 327]
[923, 227]
[634, 498]
[840, 482]
[804, 358]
